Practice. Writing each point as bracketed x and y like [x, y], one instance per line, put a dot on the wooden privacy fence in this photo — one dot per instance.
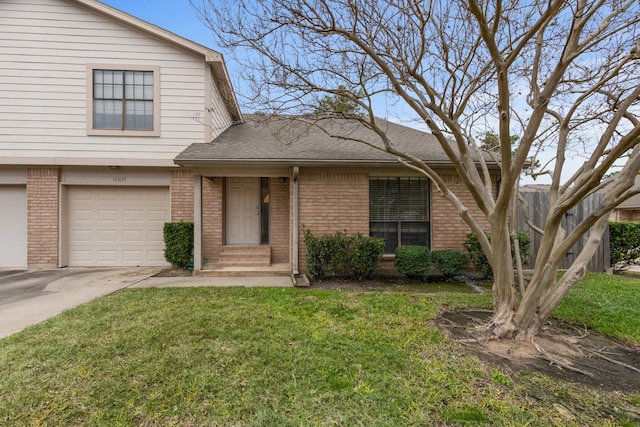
[537, 205]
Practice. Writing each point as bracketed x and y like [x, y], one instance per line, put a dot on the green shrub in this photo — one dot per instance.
[477, 256]
[624, 244]
[356, 256]
[480, 261]
[365, 256]
[450, 262]
[413, 261]
[178, 242]
[323, 254]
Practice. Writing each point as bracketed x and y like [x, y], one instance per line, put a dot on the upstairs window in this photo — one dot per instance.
[399, 211]
[124, 101]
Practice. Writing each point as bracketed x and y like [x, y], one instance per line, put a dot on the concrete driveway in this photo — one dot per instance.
[29, 297]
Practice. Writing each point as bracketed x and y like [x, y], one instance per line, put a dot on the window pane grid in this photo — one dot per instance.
[128, 94]
[399, 211]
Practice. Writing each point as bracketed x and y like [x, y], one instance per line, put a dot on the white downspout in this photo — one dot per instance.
[296, 232]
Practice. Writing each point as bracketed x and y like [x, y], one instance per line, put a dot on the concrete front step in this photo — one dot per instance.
[218, 271]
[245, 256]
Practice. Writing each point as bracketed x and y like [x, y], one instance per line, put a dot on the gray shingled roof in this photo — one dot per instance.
[289, 140]
[632, 202]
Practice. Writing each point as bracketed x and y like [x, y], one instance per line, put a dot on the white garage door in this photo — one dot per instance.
[13, 226]
[116, 226]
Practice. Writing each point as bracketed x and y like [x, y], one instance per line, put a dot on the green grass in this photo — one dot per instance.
[606, 303]
[273, 357]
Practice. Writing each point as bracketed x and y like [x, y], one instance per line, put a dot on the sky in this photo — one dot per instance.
[176, 16]
[179, 17]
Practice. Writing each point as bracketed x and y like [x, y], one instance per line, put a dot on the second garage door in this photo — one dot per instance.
[13, 226]
[116, 226]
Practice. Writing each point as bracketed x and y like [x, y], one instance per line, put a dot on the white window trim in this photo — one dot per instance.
[125, 132]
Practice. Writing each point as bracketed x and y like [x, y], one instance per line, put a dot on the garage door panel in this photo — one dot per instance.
[132, 256]
[82, 236]
[107, 256]
[158, 216]
[155, 236]
[106, 195]
[108, 215]
[85, 256]
[156, 197]
[132, 236]
[108, 236]
[117, 226]
[13, 227]
[132, 215]
[82, 215]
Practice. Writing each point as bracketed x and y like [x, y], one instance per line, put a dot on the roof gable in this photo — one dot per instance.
[212, 57]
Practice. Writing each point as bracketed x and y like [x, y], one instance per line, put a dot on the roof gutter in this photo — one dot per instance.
[307, 163]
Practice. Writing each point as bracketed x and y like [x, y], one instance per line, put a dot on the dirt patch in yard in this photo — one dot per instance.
[563, 351]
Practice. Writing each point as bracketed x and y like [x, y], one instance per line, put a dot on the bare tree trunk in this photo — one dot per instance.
[504, 291]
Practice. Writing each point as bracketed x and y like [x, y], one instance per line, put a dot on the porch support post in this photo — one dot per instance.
[197, 223]
[296, 255]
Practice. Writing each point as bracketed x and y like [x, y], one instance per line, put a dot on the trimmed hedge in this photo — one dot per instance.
[624, 244]
[480, 261]
[355, 256]
[413, 262]
[450, 262]
[178, 242]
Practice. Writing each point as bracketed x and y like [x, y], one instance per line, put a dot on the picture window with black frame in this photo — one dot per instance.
[399, 211]
[123, 100]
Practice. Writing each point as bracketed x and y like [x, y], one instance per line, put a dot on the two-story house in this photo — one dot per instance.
[94, 106]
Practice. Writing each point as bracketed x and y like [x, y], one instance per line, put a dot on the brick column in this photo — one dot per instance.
[280, 222]
[181, 195]
[43, 186]
[212, 215]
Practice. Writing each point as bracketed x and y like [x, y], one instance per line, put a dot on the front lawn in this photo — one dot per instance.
[275, 357]
[606, 303]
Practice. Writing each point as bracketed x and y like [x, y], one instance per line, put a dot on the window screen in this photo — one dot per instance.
[123, 99]
[399, 211]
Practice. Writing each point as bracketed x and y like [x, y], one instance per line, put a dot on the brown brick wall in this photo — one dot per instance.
[182, 195]
[627, 215]
[330, 202]
[212, 215]
[279, 227]
[447, 227]
[42, 216]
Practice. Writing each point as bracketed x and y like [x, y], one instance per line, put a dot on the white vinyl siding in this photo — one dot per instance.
[45, 46]
[220, 119]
